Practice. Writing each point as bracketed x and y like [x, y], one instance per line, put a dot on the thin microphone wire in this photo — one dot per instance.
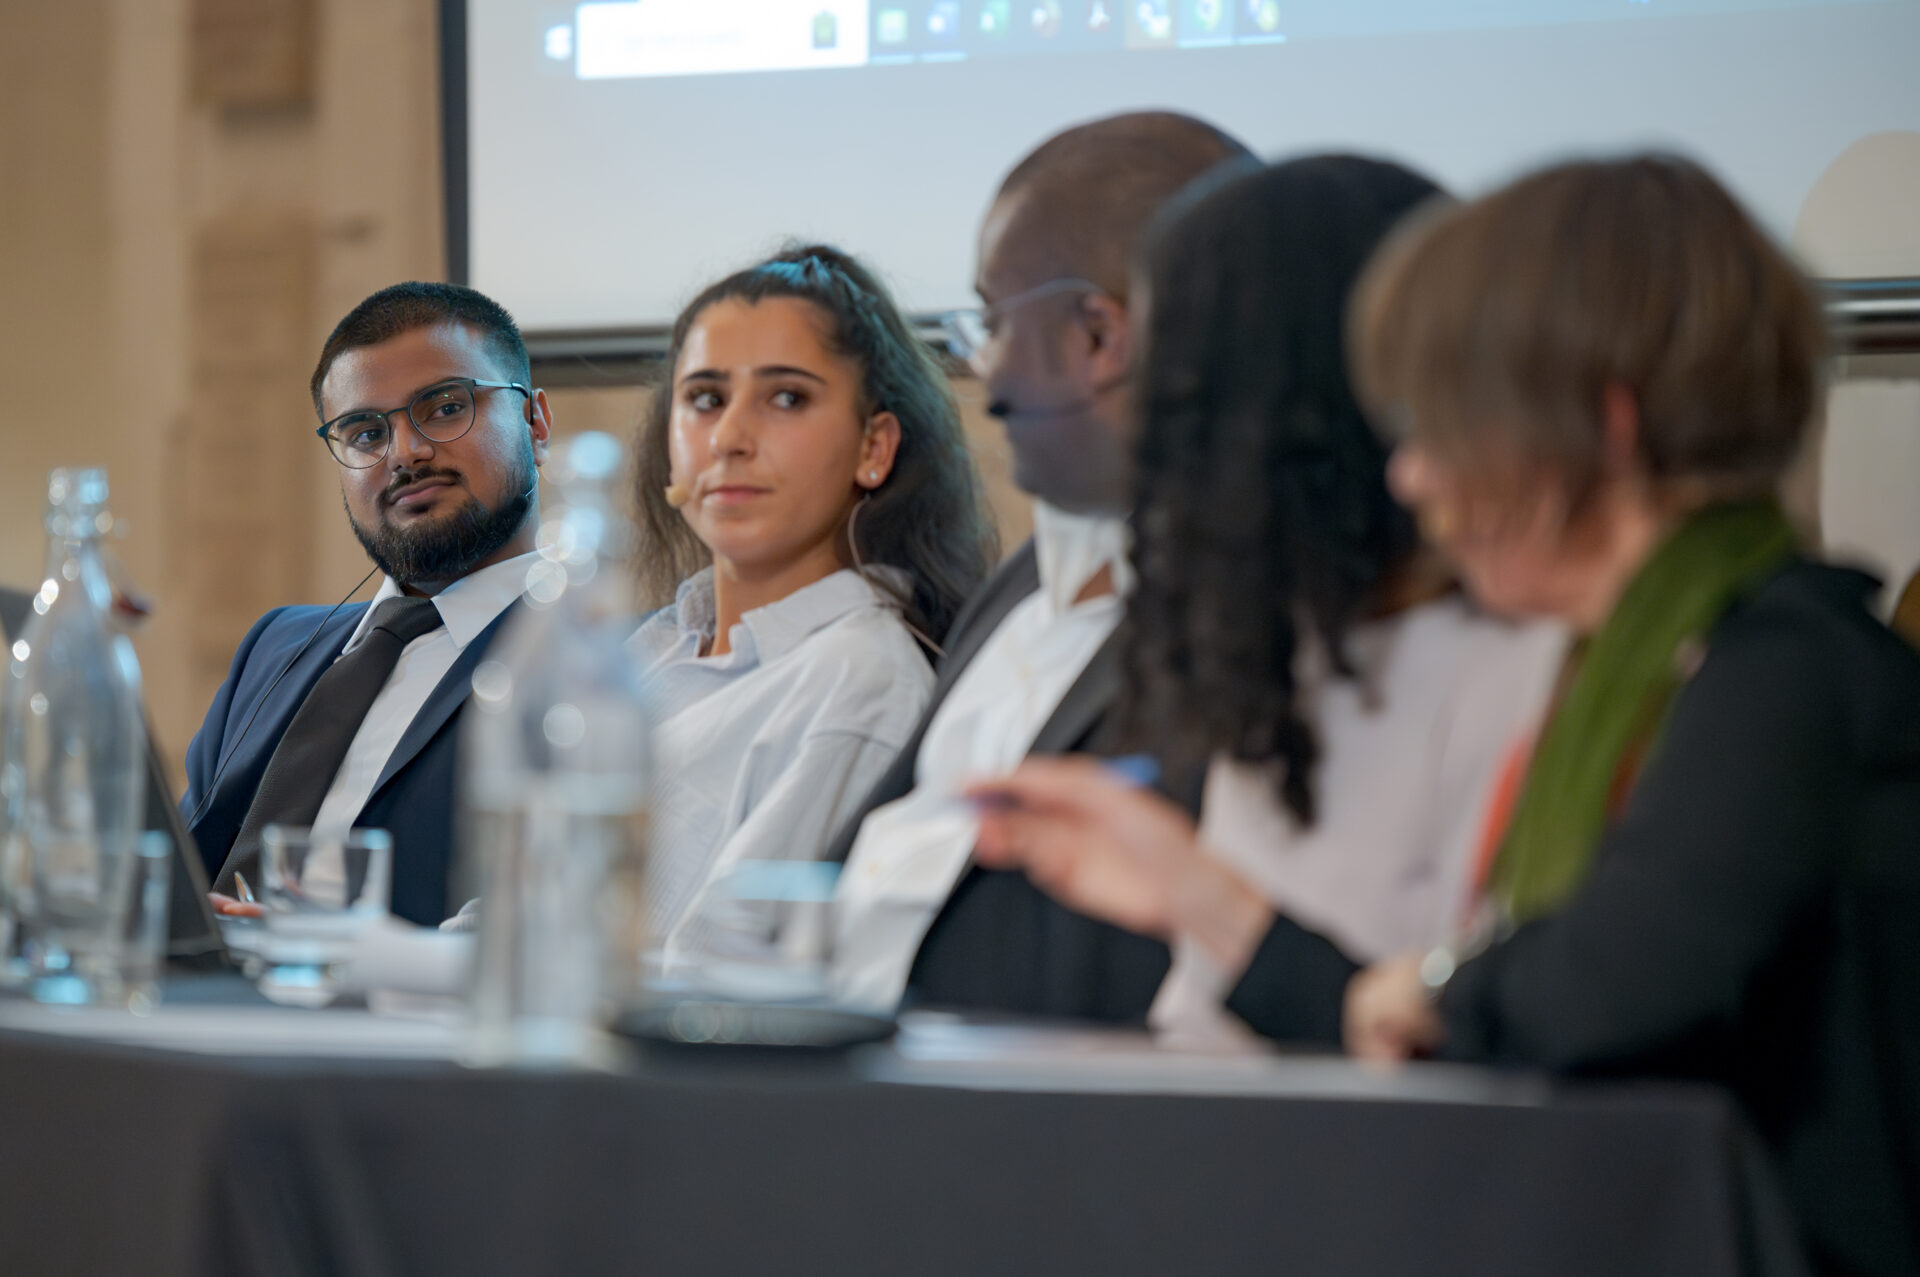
[853, 544]
[213, 786]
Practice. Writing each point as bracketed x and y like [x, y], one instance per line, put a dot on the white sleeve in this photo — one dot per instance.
[807, 803]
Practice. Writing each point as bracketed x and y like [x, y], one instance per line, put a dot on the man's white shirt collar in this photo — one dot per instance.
[910, 853]
[467, 606]
[1072, 549]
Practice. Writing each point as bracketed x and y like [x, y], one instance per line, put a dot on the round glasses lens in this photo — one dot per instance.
[359, 443]
[443, 413]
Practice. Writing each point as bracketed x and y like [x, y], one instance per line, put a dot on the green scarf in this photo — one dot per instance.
[1624, 681]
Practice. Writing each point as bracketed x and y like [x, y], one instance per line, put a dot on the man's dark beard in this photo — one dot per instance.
[451, 546]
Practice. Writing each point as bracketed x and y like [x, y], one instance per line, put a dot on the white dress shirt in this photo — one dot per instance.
[910, 853]
[1410, 756]
[467, 607]
[764, 752]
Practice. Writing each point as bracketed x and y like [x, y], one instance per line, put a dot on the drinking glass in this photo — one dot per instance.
[791, 901]
[318, 891]
[143, 944]
[753, 967]
[116, 958]
[74, 921]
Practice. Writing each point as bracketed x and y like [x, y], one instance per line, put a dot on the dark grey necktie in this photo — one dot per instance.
[303, 765]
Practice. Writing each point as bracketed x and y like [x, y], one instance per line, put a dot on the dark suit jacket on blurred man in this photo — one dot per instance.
[1032, 664]
[999, 943]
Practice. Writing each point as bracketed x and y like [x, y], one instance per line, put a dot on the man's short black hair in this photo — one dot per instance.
[401, 308]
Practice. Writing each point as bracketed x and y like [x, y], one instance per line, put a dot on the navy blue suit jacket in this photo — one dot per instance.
[414, 797]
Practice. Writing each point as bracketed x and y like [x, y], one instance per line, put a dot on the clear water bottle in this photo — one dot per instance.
[555, 776]
[72, 763]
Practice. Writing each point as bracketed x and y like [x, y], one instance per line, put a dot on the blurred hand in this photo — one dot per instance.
[228, 907]
[1093, 842]
[1389, 1015]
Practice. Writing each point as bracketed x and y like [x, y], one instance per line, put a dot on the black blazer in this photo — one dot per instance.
[415, 794]
[1753, 918]
[1000, 944]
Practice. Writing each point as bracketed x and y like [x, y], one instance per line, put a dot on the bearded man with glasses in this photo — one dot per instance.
[346, 718]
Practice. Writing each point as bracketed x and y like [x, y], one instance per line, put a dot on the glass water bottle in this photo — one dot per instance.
[555, 776]
[72, 764]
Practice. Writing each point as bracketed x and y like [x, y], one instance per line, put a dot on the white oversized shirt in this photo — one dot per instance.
[764, 752]
[909, 854]
[1410, 756]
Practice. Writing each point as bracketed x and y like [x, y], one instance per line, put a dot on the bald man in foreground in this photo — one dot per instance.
[1032, 664]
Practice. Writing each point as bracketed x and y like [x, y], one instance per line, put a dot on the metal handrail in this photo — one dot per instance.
[1874, 316]
[1866, 317]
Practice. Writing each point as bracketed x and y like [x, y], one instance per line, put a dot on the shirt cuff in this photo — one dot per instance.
[1190, 1004]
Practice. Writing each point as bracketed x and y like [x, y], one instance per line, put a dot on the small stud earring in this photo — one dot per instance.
[873, 476]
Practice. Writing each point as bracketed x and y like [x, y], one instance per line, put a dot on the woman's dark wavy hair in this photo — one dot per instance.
[927, 518]
[1261, 497]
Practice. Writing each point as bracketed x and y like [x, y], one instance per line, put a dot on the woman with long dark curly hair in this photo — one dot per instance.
[810, 523]
[1288, 630]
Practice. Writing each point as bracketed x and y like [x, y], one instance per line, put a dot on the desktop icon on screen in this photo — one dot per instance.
[1100, 18]
[1046, 19]
[826, 29]
[943, 21]
[1264, 15]
[996, 19]
[1204, 22]
[1149, 24]
[890, 26]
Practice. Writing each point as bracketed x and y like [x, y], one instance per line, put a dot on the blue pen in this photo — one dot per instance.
[1131, 771]
[1137, 771]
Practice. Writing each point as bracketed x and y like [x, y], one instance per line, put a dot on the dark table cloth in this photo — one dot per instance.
[124, 1160]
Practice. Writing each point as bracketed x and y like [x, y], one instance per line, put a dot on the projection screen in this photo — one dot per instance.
[611, 157]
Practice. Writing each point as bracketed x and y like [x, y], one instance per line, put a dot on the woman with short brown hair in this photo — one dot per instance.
[1493, 331]
[1597, 377]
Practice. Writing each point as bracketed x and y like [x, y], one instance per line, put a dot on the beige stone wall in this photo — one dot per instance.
[195, 191]
[56, 349]
[1857, 222]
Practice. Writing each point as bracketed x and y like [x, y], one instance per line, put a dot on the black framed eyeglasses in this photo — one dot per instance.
[969, 331]
[441, 413]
